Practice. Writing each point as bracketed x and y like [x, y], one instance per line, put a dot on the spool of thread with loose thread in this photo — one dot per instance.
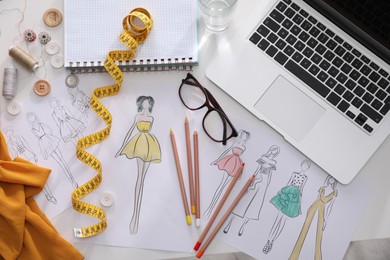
[23, 58]
[9, 82]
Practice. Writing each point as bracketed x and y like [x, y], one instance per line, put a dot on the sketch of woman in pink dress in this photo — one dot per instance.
[229, 161]
[20, 148]
[252, 202]
[48, 145]
[70, 128]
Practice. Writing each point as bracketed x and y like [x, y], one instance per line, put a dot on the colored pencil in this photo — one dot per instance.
[225, 216]
[189, 166]
[180, 176]
[197, 181]
[218, 208]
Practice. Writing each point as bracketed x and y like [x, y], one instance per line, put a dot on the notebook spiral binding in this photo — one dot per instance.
[149, 65]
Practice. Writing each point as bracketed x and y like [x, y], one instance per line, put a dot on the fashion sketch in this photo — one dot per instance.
[288, 203]
[254, 198]
[49, 145]
[322, 206]
[70, 128]
[80, 101]
[228, 162]
[144, 147]
[20, 148]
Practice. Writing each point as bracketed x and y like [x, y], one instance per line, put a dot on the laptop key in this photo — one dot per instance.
[312, 19]
[372, 88]
[312, 42]
[339, 89]
[361, 119]
[314, 70]
[263, 44]
[320, 49]
[305, 63]
[323, 38]
[303, 13]
[380, 94]
[339, 39]
[304, 36]
[255, 38]
[281, 6]
[365, 59]
[374, 76]
[299, 46]
[368, 98]
[348, 57]
[298, 19]
[289, 50]
[295, 6]
[324, 65]
[297, 57]
[365, 70]
[272, 37]
[383, 83]
[287, 24]
[329, 55]
[322, 76]
[342, 78]
[385, 109]
[283, 33]
[350, 84]
[289, 12]
[333, 98]
[333, 71]
[295, 30]
[281, 58]
[307, 52]
[348, 95]
[383, 73]
[337, 62]
[371, 113]
[316, 58]
[368, 128]
[314, 31]
[331, 83]
[271, 24]
[356, 53]
[280, 44]
[306, 25]
[262, 30]
[340, 50]
[350, 114]
[359, 91]
[363, 81]
[277, 16]
[271, 51]
[355, 74]
[343, 106]
[291, 39]
[305, 76]
[321, 26]
[357, 64]
[374, 66]
[357, 102]
[347, 46]
[331, 44]
[346, 68]
[376, 104]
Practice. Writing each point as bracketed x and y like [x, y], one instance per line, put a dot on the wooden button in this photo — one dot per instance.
[52, 17]
[42, 87]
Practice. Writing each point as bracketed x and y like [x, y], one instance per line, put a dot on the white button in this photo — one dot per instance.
[72, 80]
[14, 108]
[106, 199]
[57, 61]
[52, 48]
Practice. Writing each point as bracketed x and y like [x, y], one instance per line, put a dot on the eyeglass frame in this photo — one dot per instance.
[212, 105]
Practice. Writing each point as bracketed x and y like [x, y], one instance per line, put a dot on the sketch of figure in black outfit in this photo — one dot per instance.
[20, 148]
[288, 203]
[80, 102]
[254, 198]
[49, 145]
[228, 162]
[70, 128]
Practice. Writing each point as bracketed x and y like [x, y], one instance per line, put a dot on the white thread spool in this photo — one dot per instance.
[21, 56]
[9, 82]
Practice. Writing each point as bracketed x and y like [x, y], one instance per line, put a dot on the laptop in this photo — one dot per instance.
[317, 71]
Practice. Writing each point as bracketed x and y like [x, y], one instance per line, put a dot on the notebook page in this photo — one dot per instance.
[92, 29]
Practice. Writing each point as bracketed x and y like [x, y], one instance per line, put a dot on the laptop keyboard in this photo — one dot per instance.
[330, 66]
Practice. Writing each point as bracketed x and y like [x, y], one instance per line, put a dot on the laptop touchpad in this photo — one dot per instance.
[289, 108]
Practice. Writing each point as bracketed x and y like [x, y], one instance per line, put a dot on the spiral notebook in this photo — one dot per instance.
[92, 28]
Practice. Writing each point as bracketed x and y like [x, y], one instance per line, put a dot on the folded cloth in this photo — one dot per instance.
[25, 231]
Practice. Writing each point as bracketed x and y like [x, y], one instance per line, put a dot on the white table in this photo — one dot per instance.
[374, 222]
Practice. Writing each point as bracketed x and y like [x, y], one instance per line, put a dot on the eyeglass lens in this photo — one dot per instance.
[214, 124]
[192, 95]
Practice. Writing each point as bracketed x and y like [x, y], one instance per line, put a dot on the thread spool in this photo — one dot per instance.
[9, 82]
[23, 58]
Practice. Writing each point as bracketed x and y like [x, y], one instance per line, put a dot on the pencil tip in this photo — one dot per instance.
[189, 219]
[197, 245]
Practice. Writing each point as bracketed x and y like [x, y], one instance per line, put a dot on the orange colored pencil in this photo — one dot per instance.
[218, 208]
[180, 176]
[189, 166]
[225, 216]
[197, 181]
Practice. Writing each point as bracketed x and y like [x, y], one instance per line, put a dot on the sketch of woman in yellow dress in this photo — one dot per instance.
[288, 203]
[229, 161]
[144, 147]
[323, 207]
[252, 202]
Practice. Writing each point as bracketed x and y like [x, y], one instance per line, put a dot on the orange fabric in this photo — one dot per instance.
[25, 232]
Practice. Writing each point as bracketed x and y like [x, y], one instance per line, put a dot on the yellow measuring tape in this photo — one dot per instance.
[137, 25]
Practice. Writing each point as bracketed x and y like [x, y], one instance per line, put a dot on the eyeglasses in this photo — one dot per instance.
[215, 122]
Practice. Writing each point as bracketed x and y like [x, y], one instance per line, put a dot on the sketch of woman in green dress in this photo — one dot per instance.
[144, 147]
[252, 202]
[288, 203]
[323, 207]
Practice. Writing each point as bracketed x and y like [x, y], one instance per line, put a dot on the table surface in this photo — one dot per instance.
[374, 222]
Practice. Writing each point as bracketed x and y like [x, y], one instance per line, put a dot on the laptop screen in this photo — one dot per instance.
[365, 20]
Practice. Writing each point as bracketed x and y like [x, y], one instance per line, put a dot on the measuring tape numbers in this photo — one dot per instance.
[137, 25]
